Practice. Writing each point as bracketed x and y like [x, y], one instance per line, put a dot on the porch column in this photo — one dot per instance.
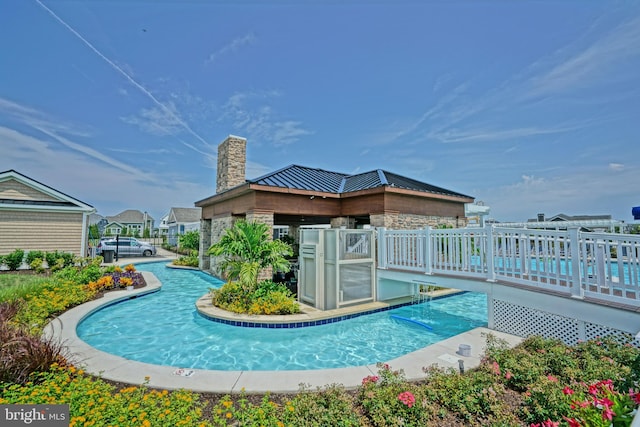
[265, 217]
[219, 226]
[204, 263]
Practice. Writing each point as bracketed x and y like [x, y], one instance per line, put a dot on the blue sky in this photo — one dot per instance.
[527, 106]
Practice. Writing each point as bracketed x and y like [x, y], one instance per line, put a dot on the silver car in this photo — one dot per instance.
[127, 246]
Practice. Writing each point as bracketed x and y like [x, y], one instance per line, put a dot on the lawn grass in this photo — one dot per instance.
[14, 286]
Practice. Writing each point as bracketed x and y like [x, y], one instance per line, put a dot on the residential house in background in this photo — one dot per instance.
[589, 223]
[180, 221]
[163, 228]
[34, 216]
[100, 222]
[131, 221]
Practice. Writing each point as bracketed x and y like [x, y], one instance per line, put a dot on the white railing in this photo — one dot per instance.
[604, 266]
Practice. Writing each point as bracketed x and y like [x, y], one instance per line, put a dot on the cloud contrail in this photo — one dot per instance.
[125, 75]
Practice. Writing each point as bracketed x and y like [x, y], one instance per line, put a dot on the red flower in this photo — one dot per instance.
[407, 398]
[496, 368]
[607, 413]
[370, 379]
[572, 422]
[546, 423]
[604, 402]
[567, 390]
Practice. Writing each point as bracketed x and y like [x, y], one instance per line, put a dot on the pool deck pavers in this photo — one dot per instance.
[108, 366]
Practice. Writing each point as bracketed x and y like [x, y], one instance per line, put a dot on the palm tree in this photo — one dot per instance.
[248, 249]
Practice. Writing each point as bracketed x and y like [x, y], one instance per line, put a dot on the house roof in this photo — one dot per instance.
[45, 197]
[305, 178]
[185, 215]
[564, 217]
[130, 216]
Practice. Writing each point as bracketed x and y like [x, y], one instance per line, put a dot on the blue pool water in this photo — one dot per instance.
[164, 328]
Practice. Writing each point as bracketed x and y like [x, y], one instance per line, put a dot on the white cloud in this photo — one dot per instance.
[34, 118]
[588, 190]
[105, 183]
[592, 64]
[127, 73]
[252, 117]
[158, 121]
[233, 46]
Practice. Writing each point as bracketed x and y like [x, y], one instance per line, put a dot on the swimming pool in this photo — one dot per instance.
[164, 328]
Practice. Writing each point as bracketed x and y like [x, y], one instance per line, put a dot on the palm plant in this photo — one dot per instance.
[247, 249]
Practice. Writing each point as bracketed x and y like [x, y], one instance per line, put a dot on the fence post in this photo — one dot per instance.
[491, 274]
[427, 250]
[576, 263]
[382, 248]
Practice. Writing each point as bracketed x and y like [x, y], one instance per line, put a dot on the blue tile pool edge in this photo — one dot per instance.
[244, 323]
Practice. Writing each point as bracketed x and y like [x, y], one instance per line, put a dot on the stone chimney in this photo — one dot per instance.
[232, 160]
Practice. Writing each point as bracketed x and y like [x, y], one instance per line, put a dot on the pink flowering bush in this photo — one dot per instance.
[387, 399]
[562, 385]
[599, 404]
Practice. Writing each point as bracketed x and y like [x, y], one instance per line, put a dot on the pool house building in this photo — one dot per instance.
[299, 196]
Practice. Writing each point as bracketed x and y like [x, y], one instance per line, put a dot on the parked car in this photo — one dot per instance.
[125, 246]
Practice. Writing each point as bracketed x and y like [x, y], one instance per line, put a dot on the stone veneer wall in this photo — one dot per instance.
[232, 159]
[218, 227]
[343, 221]
[265, 217]
[205, 244]
[395, 221]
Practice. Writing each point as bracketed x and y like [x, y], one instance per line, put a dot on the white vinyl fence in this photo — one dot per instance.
[601, 266]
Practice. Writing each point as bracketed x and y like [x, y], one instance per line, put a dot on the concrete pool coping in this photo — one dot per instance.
[115, 368]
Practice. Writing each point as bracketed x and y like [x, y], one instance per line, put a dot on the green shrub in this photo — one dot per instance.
[545, 400]
[57, 260]
[37, 265]
[267, 298]
[191, 260]
[14, 259]
[388, 399]
[542, 368]
[33, 255]
[330, 406]
[473, 395]
[190, 240]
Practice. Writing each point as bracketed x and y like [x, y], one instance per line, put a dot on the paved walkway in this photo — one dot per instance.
[108, 366]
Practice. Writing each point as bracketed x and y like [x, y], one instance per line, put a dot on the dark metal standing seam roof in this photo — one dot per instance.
[362, 181]
[411, 184]
[304, 178]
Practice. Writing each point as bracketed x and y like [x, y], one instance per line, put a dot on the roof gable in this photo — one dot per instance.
[184, 215]
[130, 216]
[18, 191]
